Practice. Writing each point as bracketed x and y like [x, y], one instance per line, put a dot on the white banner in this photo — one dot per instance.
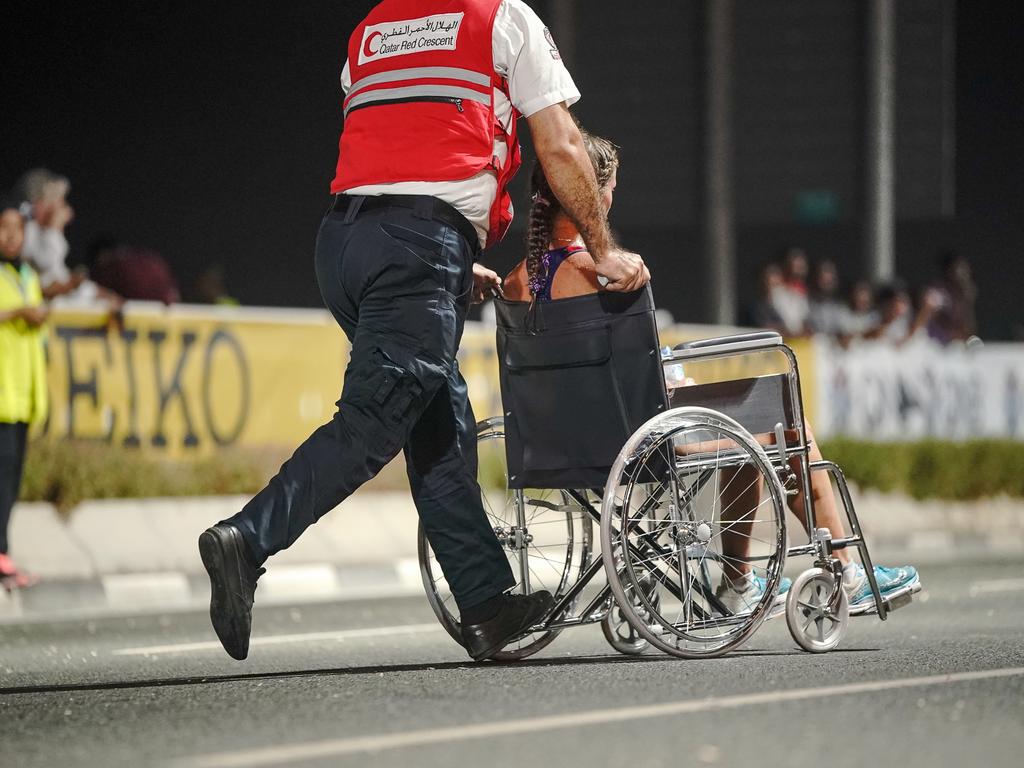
[877, 391]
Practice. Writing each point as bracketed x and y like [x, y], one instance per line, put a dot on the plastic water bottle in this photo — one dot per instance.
[674, 374]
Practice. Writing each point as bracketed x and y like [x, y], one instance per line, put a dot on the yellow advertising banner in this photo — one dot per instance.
[186, 381]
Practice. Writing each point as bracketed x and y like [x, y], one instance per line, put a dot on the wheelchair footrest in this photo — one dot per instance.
[894, 600]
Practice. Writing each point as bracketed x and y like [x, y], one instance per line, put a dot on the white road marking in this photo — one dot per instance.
[344, 634]
[336, 747]
[997, 585]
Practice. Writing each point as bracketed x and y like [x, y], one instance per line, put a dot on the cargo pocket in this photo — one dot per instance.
[441, 332]
[396, 391]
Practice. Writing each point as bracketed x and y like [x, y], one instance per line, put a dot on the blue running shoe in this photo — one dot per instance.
[855, 581]
[743, 600]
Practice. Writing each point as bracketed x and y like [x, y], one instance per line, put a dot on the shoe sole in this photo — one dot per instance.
[532, 619]
[224, 581]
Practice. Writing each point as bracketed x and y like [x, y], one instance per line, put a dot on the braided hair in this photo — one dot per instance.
[604, 156]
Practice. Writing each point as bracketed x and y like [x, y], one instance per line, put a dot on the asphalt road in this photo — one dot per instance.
[377, 683]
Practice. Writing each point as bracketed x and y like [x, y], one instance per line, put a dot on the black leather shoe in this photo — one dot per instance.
[518, 614]
[232, 586]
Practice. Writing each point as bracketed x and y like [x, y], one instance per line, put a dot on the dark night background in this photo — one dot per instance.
[209, 132]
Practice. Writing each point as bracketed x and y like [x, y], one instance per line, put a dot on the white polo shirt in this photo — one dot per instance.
[525, 55]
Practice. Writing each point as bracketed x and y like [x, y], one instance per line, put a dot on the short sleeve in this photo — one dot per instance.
[526, 55]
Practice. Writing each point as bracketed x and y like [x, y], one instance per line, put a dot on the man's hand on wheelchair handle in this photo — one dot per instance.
[484, 281]
[625, 271]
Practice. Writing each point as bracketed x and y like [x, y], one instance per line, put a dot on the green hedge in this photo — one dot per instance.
[925, 469]
[68, 472]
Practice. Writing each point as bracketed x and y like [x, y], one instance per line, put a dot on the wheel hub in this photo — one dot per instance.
[814, 611]
[514, 538]
[690, 532]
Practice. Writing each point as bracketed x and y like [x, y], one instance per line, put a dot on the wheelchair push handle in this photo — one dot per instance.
[740, 342]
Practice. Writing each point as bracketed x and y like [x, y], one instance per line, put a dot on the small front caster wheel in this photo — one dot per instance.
[619, 633]
[816, 624]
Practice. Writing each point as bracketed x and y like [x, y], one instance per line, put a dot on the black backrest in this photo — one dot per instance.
[578, 376]
[758, 403]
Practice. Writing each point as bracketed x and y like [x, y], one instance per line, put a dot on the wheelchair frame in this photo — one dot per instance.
[826, 572]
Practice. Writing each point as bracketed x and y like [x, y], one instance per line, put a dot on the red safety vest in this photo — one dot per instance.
[421, 105]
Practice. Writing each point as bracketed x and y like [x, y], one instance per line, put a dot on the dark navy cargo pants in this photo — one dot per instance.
[399, 284]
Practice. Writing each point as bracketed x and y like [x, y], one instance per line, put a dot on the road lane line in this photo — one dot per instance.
[344, 634]
[997, 585]
[337, 747]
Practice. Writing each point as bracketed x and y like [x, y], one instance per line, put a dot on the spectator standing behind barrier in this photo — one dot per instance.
[23, 396]
[138, 274]
[46, 247]
[955, 295]
[898, 322]
[208, 288]
[791, 299]
[860, 317]
[772, 303]
[827, 312]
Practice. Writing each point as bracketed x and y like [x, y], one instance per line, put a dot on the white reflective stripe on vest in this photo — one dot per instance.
[413, 92]
[418, 73]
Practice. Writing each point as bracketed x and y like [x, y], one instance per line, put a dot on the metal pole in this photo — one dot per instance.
[719, 213]
[949, 109]
[880, 144]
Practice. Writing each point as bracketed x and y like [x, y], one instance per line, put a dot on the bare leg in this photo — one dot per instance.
[740, 491]
[826, 511]
[740, 494]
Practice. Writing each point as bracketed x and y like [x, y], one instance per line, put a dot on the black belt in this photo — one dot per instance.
[426, 207]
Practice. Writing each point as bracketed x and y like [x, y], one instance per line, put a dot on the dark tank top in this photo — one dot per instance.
[551, 261]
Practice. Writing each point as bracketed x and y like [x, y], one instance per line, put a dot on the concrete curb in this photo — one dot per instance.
[140, 555]
[134, 555]
[147, 593]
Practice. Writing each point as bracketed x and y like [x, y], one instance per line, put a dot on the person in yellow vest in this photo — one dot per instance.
[23, 397]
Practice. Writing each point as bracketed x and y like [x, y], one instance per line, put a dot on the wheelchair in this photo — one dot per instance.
[682, 483]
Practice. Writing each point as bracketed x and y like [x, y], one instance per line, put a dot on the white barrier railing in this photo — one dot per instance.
[877, 391]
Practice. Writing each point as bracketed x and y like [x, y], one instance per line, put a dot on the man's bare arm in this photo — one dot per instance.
[570, 174]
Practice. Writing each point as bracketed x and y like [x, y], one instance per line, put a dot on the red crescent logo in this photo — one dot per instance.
[367, 51]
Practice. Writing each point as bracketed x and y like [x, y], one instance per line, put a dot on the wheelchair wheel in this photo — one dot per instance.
[691, 498]
[617, 630]
[547, 537]
[816, 625]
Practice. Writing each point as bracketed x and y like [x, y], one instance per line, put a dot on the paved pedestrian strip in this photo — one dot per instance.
[505, 728]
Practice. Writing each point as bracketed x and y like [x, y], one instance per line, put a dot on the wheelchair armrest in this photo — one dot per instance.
[740, 342]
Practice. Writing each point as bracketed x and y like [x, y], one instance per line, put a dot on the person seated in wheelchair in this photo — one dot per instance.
[558, 266]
